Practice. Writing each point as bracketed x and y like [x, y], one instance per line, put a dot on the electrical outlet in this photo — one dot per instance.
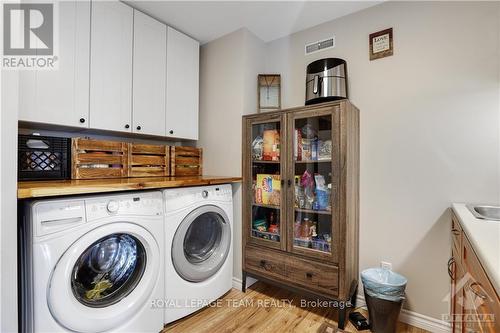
[386, 265]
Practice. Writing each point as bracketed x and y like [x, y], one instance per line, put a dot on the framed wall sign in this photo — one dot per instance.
[269, 92]
[381, 44]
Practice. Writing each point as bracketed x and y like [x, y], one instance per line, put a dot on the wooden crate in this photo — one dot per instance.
[148, 160]
[185, 161]
[92, 159]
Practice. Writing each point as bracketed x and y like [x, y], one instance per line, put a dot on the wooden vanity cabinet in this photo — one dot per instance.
[475, 305]
[301, 199]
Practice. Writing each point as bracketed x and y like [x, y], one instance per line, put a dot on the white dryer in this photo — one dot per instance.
[199, 248]
[93, 264]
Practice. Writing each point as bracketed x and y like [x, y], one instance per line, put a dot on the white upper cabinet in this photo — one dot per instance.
[111, 66]
[118, 70]
[183, 54]
[149, 79]
[61, 96]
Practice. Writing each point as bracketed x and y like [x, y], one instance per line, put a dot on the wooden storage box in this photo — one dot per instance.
[148, 160]
[185, 161]
[92, 159]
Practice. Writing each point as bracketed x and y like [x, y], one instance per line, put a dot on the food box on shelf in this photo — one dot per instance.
[268, 189]
[271, 145]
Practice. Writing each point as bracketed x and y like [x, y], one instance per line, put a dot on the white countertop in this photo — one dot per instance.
[484, 236]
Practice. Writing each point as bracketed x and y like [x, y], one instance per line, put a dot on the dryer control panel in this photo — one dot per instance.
[181, 198]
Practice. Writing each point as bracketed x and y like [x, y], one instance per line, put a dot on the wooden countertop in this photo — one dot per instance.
[50, 188]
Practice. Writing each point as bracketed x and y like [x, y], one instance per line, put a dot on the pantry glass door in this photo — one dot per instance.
[264, 168]
[313, 171]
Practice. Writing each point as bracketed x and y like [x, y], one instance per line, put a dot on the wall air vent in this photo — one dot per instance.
[320, 45]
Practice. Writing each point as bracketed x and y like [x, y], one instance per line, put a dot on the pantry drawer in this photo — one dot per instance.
[265, 261]
[313, 275]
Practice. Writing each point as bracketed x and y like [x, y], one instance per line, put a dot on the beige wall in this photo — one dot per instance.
[228, 90]
[430, 124]
[429, 127]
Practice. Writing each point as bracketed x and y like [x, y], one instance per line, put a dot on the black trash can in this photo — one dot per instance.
[384, 295]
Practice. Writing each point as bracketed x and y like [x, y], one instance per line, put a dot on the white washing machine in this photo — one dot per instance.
[93, 264]
[199, 248]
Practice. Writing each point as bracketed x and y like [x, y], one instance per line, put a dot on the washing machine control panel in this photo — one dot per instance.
[140, 205]
[113, 206]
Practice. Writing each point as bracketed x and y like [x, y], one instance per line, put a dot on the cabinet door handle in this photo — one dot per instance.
[289, 182]
[316, 84]
[474, 287]
[309, 275]
[171, 131]
[82, 120]
[127, 126]
[455, 232]
[139, 128]
[450, 271]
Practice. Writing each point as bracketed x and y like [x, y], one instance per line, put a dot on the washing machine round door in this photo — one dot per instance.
[201, 243]
[104, 278]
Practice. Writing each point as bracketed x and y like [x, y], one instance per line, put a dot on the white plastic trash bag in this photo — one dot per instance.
[383, 283]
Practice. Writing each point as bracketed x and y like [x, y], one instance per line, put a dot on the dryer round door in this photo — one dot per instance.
[104, 278]
[201, 243]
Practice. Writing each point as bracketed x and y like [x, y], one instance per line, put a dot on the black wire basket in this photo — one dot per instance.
[43, 157]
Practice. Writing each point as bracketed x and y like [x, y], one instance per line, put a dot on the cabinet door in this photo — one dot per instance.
[182, 85]
[482, 303]
[456, 273]
[264, 167]
[149, 78]
[61, 96]
[111, 66]
[313, 180]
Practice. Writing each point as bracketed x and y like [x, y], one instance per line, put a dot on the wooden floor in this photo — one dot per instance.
[261, 309]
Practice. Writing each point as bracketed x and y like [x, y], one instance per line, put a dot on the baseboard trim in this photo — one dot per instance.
[409, 317]
[237, 283]
[416, 319]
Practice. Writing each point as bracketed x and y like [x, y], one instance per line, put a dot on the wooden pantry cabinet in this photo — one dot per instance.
[475, 305]
[301, 199]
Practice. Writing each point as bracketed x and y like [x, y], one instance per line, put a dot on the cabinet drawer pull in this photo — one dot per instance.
[474, 287]
[455, 232]
[264, 264]
[309, 275]
[451, 261]
[289, 182]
